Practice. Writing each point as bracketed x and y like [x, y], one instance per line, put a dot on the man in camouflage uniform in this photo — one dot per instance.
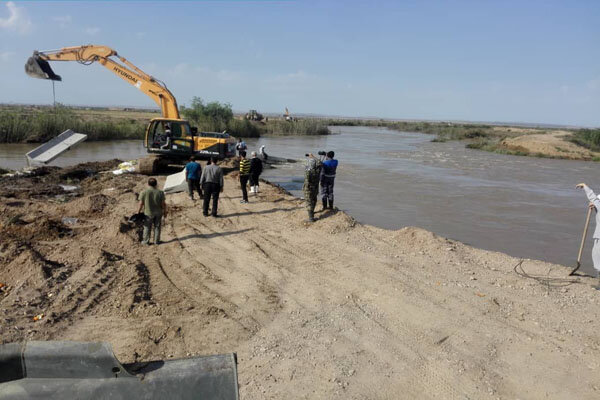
[312, 173]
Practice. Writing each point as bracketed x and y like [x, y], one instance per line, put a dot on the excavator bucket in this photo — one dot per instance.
[38, 68]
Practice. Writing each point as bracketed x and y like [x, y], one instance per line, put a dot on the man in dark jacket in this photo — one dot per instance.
[212, 184]
[256, 168]
[327, 179]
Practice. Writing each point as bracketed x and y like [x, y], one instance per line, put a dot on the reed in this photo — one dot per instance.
[308, 126]
[40, 125]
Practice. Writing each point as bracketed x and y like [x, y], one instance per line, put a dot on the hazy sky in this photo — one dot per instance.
[523, 61]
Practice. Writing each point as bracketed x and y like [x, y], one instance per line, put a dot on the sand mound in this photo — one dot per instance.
[551, 144]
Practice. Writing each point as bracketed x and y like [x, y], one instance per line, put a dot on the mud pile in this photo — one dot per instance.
[52, 268]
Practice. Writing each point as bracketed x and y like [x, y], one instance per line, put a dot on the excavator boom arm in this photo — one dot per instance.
[38, 67]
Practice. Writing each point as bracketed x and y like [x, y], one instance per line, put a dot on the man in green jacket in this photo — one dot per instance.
[312, 172]
[152, 203]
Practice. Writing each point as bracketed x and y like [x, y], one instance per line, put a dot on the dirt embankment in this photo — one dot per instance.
[332, 310]
[553, 144]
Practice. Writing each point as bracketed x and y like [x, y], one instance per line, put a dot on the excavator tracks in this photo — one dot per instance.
[149, 165]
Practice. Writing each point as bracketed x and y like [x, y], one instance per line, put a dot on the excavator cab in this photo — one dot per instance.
[173, 137]
[38, 68]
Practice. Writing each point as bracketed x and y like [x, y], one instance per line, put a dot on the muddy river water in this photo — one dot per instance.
[523, 206]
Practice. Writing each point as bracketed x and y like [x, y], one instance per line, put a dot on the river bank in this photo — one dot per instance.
[335, 309]
[569, 144]
[35, 124]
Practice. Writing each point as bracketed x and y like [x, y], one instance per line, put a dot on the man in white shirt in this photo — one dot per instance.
[594, 203]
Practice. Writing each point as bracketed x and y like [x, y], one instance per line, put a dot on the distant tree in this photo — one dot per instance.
[212, 114]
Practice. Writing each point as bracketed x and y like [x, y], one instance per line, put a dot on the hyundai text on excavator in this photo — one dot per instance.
[170, 139]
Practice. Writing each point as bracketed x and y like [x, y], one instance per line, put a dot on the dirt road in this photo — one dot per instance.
[332, 310]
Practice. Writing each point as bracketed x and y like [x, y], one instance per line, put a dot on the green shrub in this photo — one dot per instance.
[210, 117]
[588, 138]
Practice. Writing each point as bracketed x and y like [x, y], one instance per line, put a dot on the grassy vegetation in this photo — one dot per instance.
[40, 123]
[20, 124]
[495, 146]
[588, 138]
[218, 117]
[309, 126]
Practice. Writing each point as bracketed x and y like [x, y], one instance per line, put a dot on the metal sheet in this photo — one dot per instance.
[175, 183]
[79, 370]
[55, 147]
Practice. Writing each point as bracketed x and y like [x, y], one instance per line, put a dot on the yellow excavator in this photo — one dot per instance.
[169, 139]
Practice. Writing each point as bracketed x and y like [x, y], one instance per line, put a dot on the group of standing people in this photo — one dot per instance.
[250, 170]
[317, 172]
[208, 184]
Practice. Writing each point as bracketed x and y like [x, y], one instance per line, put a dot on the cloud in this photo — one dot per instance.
[92, 30]
[17, 20]
[62, 21]
[140, 35]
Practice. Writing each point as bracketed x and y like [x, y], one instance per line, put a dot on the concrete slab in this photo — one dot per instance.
[55, 147]
[175, 183]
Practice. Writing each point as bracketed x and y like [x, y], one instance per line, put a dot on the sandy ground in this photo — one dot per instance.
[330, 310]
[552, 144]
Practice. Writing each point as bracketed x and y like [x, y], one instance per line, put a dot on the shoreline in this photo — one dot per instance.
[129, 124]
[502, 139]
[333, 309]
